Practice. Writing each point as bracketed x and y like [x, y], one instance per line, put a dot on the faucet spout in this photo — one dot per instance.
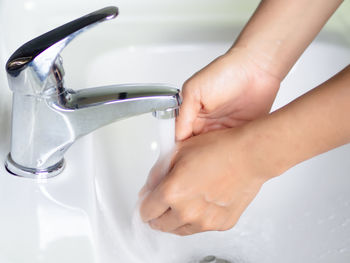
[92, 108]
[45, 127]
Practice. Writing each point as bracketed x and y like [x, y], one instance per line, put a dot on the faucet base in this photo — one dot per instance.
[21, 171]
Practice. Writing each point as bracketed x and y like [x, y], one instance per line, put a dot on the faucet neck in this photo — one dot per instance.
[43, 128]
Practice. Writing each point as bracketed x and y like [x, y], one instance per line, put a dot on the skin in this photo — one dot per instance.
[229, 92]
[214, 175]
[241, 85]
[234, 160]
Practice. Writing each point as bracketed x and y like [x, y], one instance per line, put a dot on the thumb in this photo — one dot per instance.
[188, 112]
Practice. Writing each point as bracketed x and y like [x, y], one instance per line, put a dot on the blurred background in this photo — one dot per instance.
[22, 20]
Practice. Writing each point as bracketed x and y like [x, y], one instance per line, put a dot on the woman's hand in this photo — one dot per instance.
[227, 93]
[230, 91]
[241, 85]
[213, 178]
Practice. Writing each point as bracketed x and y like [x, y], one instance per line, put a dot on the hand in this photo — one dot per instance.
[215, 176]
[156, 174]
[212, 180]
[241, 85]
[230, 91]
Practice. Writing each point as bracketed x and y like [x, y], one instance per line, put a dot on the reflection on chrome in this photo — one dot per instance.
[47, 118]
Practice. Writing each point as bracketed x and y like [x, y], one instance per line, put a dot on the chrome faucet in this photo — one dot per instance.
[47, 118]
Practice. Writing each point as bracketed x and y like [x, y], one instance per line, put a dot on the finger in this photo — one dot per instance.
[188, 112]
[181, 213]
[199, 125]
[185, 230]
[153, 206]
[212, 127]
[158, 201]
[152, 181]
[155, 176]
[167, 222]
[143, 191]
[205, 124]
[212, 218]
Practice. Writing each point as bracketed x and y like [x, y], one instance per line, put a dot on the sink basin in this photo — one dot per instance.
[89, 212]
[309, 203]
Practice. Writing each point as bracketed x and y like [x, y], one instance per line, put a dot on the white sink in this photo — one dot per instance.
[86, 213]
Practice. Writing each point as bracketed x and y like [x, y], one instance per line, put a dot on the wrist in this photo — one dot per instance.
[310, 125]
[270, 145]
[257, 66]
[279, 31]
[258, 59]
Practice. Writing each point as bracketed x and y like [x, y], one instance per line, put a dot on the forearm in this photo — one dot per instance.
[312, 124]
[279, 31]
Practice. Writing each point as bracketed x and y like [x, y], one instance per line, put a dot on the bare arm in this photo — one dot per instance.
[239, 160]
[241, 85]
[312, 124]
[279, 31]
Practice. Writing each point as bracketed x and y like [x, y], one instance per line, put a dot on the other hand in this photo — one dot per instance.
[230, 91]
[213, 178]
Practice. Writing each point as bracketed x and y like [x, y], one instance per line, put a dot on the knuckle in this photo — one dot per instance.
[171, 192]
[186, 217]
[167, 195]
[182, 217]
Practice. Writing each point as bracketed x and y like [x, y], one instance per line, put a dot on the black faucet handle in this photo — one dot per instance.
[45, 48]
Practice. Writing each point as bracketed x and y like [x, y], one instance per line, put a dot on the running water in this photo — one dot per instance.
[166, 142]
[150, 244]
[125, 238]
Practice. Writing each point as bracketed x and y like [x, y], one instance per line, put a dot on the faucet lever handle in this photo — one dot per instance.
[44, 50]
